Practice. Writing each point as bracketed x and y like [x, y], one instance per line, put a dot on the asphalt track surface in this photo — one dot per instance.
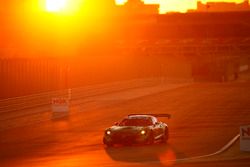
[205, 117]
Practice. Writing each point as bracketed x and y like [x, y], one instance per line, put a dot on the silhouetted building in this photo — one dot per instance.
[138, 7]
[131, 7]
[222, 6]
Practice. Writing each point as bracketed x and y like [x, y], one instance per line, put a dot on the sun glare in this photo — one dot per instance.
[55, 5]
[120, 2]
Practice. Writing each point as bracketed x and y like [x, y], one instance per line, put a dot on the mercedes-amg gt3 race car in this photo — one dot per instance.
[137, 129]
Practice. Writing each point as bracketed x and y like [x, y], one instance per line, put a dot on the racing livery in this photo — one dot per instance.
[137, 129]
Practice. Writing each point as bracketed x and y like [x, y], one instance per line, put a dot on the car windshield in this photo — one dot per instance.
[136, 122]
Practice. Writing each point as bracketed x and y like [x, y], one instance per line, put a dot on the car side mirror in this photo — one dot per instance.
[157, 123]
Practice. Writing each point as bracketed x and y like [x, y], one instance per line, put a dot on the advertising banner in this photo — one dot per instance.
[245, 138]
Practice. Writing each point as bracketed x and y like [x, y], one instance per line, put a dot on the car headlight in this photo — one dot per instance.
[143, 132]
[108, 132]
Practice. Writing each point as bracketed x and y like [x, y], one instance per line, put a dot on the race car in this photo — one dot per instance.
[137, 129]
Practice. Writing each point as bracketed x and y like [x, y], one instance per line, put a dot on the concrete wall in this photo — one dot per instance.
[28, 76]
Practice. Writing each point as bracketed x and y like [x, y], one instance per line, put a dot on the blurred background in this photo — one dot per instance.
[45, 47]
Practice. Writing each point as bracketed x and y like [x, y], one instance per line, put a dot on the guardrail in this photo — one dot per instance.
[36, 100]
[32, 109]
[24, 102]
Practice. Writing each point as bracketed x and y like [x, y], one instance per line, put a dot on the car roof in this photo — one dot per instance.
[140, 116]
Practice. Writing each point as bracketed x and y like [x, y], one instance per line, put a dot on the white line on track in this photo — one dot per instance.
[224, 148]
[227, 146]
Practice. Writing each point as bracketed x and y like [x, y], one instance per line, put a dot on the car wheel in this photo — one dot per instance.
[107, 143]
[150, 139]
[165, 136]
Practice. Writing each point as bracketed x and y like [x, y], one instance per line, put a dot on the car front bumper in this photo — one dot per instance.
[125, 139]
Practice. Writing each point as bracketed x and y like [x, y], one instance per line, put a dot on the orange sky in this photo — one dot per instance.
[178, 5]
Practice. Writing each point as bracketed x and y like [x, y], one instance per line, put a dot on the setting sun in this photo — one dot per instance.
[55, 5]
[120, 2]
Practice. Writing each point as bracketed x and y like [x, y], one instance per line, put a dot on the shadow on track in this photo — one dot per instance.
[144, 154]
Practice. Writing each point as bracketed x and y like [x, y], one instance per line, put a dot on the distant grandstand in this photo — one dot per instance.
[216, 44]
[222, 7]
